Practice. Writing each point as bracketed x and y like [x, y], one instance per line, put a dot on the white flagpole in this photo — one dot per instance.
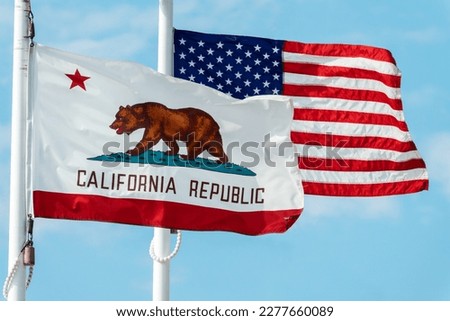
[161, 237]
[17, 211]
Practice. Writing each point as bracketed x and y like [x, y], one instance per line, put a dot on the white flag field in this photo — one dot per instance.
[115, 141]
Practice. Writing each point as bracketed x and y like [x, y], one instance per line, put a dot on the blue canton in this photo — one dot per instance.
[240, 66]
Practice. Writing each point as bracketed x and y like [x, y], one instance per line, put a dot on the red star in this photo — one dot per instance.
[77, 79]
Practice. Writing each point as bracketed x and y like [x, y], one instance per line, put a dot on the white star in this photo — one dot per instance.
[201, 71]
[210, 66]
[257, 48]
[220, 45]
[256, 91]
[228, 82]
[257, 76]
[229, 67]
[275, 91]
[182, 70]
[237, 89]
[229, 52]
[210, 51]
[266, 56]
[182, 55]
[219, 86]
[219, 73]
[238, 75]
[266, 69]
[238, 60]
[248, 68]
[248, 54]
[266, 84]
[276, 76]
[275, 50]
[247, 83]
[210, 79]
[275, 63]
[219, 59]
[201, 43]
[201, 58]
[192, 78]
[182, 41]
[257, 62]
[191, 63]
[191, 49]
[238, 46]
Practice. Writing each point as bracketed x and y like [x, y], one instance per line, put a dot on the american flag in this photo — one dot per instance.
[348, 127]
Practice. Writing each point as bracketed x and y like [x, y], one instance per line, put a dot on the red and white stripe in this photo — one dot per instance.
[349, 127]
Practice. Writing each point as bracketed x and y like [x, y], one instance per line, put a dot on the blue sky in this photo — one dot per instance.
[387, 248]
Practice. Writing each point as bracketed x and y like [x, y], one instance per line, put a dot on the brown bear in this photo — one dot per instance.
[193, 126]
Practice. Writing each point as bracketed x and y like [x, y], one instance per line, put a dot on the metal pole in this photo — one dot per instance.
[161, 237]
[17, 211]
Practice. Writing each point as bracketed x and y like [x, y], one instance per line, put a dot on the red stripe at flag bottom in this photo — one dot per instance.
[160, 213]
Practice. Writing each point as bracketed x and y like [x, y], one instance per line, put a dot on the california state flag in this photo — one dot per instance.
[118, 142]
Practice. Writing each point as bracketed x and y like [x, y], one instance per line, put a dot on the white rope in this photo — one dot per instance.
[9, 278]
[30, 275]
[170, 256]
[12, 274]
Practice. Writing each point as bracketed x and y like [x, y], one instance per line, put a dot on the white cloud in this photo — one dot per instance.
[365, 207]
[420, 97]
[5, 138]
[115, 31]
[4, 195]
[96, 20]
[6, 34]
[95, 234]
[446, 9]
[424, 36]
[6, 16]
[437, 156]
[5, 142]
[123, 45]
[195, 15]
